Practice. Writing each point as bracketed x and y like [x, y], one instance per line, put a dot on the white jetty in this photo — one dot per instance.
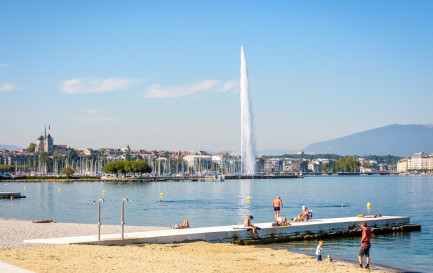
[231, 233]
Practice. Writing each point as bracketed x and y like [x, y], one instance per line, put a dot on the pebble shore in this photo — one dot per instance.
[14, 232]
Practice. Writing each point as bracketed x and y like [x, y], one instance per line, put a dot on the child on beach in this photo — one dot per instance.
[319, 251]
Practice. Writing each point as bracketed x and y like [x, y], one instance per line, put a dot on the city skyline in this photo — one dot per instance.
[166, 77]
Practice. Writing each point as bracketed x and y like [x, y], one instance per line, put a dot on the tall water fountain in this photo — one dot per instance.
[248, 151]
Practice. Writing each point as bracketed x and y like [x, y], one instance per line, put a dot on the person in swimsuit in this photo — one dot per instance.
[304, 214]
[184, 225]
[276, 204]
[247, 224]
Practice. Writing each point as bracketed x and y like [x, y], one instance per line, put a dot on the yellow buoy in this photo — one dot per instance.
[162, 194]
[60, 189]
[24, 187]
[249, 198]
[368, 205]
[103, 192]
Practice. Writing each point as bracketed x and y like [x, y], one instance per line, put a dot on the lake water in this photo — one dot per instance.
[214, 203]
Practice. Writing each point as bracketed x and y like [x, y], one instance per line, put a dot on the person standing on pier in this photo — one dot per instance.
[367, 234]
[277, 204]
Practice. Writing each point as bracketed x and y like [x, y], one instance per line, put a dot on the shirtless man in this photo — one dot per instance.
[247, 224]
[276, 204]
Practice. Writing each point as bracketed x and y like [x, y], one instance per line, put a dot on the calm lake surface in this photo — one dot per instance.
[225, 203]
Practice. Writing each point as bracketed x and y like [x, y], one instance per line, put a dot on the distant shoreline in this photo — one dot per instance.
[51, 179]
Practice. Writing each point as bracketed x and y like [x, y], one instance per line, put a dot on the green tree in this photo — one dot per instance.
[68, 171]
[72, 156]
[128, 156]
[43, 156]
[341, 164]
[7, 168]
[124, 167]
[325, 167]
[31, 148]
[365, 164]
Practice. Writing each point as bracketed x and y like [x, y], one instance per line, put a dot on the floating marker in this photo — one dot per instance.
[368, 205]
[60, 189]
[249, 198]
[24, 187]
[103, 192]
[162, 194]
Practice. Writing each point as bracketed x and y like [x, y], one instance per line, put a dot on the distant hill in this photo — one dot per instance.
[9, 147]
[395, 139]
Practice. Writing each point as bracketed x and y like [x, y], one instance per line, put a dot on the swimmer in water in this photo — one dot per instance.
[94, 203]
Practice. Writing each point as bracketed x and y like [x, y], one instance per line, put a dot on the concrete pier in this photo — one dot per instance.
[11, 194]
[231, 233]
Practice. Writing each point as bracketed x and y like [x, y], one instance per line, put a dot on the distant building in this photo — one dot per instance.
[260, 165]
[418, 161]
[90, 151]
[45, 143]
[421, 161]
[300, 152]
[198, 161]
[273, 165]
[291, 165]
[402, 165]
[17, 160]
[126, 149]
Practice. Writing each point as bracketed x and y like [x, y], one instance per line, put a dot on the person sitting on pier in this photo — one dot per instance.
[248, 225]
[184, 225]
[304, 216]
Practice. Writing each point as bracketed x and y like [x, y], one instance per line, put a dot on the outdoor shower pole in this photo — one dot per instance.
[99, 218]
[122, 216]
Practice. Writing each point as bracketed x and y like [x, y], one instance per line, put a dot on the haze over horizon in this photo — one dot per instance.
[166, 76]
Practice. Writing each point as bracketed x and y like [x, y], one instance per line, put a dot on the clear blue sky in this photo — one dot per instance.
[164, 75]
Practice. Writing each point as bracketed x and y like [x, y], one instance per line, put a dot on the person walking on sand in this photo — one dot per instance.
[277, 204]
[367, 234]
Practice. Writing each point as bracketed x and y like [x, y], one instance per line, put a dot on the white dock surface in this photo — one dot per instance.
[229, 233]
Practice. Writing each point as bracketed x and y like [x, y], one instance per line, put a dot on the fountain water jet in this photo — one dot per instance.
[248, 153]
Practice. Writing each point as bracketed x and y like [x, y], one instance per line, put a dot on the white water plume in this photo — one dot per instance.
[248, 151]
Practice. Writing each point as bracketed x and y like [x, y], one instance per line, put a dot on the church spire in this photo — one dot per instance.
[45, 131]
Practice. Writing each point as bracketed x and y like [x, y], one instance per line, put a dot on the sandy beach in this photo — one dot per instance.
[186, 257]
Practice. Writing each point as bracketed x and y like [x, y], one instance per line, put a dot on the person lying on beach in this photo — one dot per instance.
[247, 224]
[304, 214]
[184, 225]
[43, 221]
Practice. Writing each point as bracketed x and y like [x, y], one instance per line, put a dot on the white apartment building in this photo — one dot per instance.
[419, 161]
[198, 160]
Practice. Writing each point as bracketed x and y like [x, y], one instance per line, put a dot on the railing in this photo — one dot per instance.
[122, 217]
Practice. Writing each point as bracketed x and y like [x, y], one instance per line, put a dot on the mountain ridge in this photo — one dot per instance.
[394, 139]
[9, 147]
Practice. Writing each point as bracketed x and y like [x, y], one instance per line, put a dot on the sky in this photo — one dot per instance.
[165, 74]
